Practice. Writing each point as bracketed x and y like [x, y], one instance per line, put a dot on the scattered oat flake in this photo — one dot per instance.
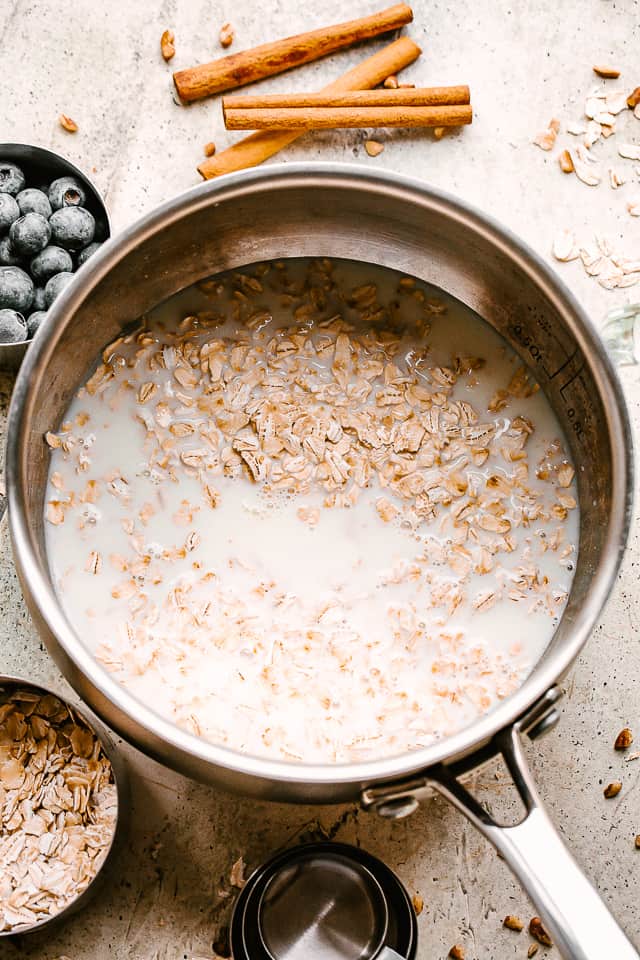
[439, 132]
[608, 73]
[637, 841]
[630, 151]
[418, 904]
[565, 247]
[513, 923]
[391, 83]
[584, 173]
[167, 45]
[236, 877]
[616, 101]
[576, 129]
[226, 35]
[373, 147]
[209, 149]
[533, 949]
[634, 98]
[546, 138]
[68, 124]
[633, 206]
[616, 179]
[592, 134]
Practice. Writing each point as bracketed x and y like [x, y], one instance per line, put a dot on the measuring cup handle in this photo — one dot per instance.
[580, 924]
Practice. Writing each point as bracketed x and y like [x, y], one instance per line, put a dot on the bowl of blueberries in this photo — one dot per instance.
[52, 220]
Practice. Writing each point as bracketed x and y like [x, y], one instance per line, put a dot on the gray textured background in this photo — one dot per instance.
[525, 62]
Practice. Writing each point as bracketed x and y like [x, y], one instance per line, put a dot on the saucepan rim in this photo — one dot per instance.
[281, 773]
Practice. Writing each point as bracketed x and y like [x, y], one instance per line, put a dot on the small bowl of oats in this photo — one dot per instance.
[61, 794]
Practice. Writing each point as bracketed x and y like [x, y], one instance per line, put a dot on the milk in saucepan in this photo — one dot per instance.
[312, 510]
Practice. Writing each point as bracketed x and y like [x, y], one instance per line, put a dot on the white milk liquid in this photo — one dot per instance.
[276, 624]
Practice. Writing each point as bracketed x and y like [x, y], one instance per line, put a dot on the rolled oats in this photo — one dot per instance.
[59, 807]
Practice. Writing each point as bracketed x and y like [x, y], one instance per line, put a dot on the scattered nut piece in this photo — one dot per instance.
[373, 147]
[565, 161]
[609, 73]
[456, 952]
[513, 923]
[533, 949]
[612, 789]
[226, 35]
[167, 48]
[638, 841]
[391, 83]
[68, 124]
[418, 904]
[538, 931]
[634, 98]
[624, 739]
[209, 149]
[439, 132]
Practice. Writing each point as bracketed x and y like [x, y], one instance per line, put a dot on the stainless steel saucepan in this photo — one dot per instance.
[339, 211]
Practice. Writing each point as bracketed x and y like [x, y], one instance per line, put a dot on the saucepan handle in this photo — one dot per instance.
[578, 921]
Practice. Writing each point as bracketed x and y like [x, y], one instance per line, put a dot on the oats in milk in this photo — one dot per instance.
[313, 510]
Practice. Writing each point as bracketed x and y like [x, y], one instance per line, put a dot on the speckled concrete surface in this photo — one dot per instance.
[525, 62]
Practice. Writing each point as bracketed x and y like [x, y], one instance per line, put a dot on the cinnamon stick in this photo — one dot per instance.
[415, 97]
[271, 58]
[258, 147]
[334, 118]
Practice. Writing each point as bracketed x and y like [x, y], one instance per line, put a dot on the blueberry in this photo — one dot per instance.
[34, 322]
[13, 327]
[16, 289]
[8, 256]
[66, 192]
[34, 201]
[11, 178]
[72, 227]
[29, 234]
[49, 261]
[89, 251]
[38, 300]
[9, 211]
[102, 231]
[55, 286]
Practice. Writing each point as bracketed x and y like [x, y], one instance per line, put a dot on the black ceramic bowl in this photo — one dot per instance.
[41, 166]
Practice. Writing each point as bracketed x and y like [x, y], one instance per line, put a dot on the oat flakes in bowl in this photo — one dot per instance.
[59, 806]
